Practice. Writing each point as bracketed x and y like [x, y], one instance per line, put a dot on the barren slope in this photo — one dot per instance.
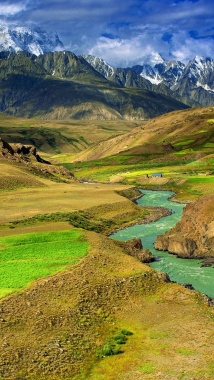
[187, 128]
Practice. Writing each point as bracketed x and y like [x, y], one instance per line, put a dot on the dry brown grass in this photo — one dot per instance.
[54, 197]
[13, 176]
[173, 127]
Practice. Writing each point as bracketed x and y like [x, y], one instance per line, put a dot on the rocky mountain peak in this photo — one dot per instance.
[100, 65]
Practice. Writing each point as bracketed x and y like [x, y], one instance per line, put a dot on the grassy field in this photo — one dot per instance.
[28, 195]
[26, 257]
[189, 178]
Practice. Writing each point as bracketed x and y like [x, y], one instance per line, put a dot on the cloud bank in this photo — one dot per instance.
[122, 32]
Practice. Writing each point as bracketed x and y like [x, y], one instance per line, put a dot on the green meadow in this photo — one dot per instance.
[27, 257]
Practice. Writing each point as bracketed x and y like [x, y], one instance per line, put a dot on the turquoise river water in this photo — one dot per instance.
[183, 271]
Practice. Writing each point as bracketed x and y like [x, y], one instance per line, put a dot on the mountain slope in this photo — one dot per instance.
[22, 166]
[61, 85]
[133, 77]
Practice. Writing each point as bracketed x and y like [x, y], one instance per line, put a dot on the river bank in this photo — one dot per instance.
[193, 236]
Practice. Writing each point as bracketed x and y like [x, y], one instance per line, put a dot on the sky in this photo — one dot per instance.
[121, 32]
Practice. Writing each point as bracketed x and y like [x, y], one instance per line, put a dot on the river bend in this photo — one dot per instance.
[183, 271]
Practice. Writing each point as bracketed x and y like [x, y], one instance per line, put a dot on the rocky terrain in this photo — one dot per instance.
[28, 156]
[193, 236]
[134, 248]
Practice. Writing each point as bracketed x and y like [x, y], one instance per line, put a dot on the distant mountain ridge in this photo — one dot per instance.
[192, 83]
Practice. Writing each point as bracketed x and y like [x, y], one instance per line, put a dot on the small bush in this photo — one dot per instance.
[126, 332]
[109, 349]
[112, 346]
[120, 338]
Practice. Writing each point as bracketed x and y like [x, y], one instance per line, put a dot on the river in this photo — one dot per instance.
[183, 271]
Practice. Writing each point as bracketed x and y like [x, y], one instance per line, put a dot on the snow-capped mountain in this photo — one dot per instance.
[200, 72]
[168, 72]
[34, 40]
[149, 72]
[193, 83]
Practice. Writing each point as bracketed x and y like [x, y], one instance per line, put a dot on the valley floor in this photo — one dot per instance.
[60, 326]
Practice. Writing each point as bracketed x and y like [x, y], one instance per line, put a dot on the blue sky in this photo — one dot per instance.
[122, 31]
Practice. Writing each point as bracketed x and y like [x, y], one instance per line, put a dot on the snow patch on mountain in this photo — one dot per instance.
[100, 65]
[204, 86]
[151, 74]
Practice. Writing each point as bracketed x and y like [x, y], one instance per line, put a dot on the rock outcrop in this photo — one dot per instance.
[19, 151]
[193, 236]
[28, 155]
[134, 248]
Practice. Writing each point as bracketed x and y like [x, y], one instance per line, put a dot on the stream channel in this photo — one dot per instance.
[183, 271]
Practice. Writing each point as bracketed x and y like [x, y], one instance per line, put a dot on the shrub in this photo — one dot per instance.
[109, 349]
[112, 346]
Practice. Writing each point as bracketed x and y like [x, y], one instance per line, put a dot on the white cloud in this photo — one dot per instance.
[132, 29]
[8, 10]
[147, 39]
[130, 51]
[184, 48]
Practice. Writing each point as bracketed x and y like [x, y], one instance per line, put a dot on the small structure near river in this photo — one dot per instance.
[157, 175]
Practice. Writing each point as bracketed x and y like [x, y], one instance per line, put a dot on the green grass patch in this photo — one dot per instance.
[147, 368]
[27, 257]
[186, 351]
[201, 179]
[184, 152]
[158, 335]
[182, 143]
[209, 145]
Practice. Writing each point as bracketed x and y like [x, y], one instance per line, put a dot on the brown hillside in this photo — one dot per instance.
[188, 127]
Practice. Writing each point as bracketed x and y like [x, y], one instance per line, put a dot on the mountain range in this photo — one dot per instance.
[60, 85]
[39, 78]
[192, 83]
